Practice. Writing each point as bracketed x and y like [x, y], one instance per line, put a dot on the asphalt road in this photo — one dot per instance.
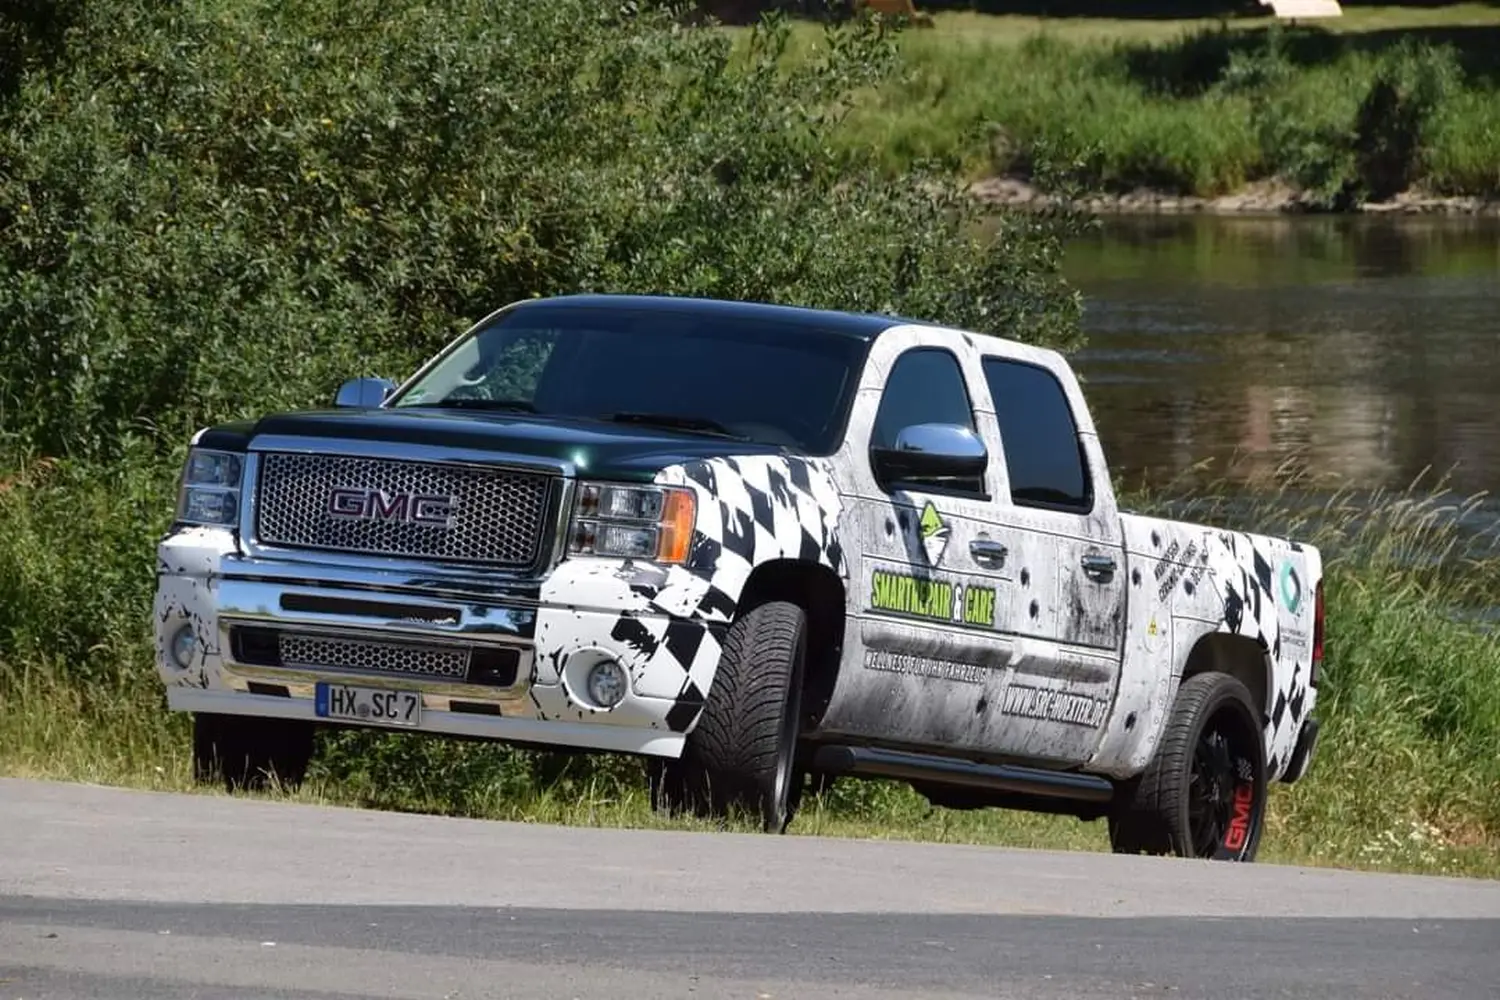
[107, 893]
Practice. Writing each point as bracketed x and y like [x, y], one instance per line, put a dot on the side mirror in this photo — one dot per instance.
[931, 453]
[364, 393]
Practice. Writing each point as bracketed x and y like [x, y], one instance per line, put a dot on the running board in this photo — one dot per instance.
[902, 766]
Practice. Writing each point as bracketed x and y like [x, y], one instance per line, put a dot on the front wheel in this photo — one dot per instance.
[742, 753]
[1204, 793]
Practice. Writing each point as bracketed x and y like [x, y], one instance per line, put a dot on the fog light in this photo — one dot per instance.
[607, 683]
[184, 642]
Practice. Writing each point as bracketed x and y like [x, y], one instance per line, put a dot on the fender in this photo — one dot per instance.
[1188, 581]
[751, 509]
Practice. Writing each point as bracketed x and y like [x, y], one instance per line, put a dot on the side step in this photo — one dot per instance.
[925, 769]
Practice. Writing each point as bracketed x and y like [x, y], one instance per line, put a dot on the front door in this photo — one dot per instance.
[926, 637]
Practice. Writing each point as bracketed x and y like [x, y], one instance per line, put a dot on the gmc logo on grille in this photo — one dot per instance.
[378, 505]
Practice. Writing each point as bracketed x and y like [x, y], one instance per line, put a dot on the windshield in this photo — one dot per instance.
[768, 382]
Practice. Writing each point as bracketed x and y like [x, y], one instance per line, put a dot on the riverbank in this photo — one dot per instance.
[1261, 198]
[1391, 110]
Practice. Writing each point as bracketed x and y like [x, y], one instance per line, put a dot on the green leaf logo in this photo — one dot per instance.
[932, 521]
[934, 534]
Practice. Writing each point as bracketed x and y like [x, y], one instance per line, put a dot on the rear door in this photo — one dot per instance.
[1068, 612]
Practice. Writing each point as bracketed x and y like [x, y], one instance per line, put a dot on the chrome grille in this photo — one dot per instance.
[494, 517]
[304, 652]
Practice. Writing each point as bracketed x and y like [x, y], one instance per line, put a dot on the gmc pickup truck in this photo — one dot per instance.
[758, 546]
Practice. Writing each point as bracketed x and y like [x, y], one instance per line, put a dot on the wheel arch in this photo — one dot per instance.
[819, 591]
[1238, 656]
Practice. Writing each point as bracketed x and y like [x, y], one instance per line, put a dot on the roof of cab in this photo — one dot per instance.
[864, 326]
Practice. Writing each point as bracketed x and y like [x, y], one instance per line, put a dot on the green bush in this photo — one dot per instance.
[212, 208]
[1395, 122]
[1364, 136]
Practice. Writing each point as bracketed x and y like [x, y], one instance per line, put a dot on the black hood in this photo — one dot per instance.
[598, 448]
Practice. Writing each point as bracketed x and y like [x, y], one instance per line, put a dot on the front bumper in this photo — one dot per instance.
[497, 660]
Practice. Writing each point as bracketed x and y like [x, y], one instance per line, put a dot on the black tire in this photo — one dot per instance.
[1204, 793]
[247, 753]
[742, 753]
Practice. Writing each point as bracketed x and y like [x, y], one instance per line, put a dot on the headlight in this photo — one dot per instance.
[210, 492]
[633, 522]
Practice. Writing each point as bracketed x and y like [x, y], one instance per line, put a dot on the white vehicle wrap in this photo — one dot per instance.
[975, 612]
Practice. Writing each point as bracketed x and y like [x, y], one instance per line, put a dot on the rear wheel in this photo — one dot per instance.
[1204, 793]
[246, 753]
[742, 753]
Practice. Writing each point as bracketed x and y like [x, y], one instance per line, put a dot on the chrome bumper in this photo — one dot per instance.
[496, 635]
[521, 656]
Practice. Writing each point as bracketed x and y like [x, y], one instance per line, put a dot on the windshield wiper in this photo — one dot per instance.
[475, 403]
[700, 425]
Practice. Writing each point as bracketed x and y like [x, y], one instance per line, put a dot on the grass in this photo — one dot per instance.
[1358, 19]
[134, 743]
[1405, 780]
[1197, 107]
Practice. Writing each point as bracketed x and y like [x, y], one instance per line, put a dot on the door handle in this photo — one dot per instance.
[988, 553]
[1098, 567]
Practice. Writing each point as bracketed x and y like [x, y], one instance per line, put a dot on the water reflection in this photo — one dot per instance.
[1364, 347]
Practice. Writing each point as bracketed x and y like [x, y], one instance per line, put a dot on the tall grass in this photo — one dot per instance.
[1464, 156]
[1406, 777]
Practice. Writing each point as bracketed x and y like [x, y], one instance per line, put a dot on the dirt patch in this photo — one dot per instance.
[1260, 198]
[33, 475]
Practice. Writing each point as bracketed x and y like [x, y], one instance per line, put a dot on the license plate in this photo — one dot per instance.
[374, 706]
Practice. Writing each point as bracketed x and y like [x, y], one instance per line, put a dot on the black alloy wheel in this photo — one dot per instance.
[1203, 795]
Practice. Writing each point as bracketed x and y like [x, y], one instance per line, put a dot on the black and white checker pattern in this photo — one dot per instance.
[750, 510]
[1243, 566]
[653, 617]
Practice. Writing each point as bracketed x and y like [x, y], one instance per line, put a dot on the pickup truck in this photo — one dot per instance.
[759, 546]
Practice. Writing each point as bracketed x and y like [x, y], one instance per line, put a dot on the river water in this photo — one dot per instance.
[1365, 348]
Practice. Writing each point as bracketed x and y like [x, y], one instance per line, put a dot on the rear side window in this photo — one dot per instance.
[1042, 450]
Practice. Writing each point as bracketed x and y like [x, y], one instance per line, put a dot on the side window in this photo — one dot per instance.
[1042, 450]
[925, 386]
